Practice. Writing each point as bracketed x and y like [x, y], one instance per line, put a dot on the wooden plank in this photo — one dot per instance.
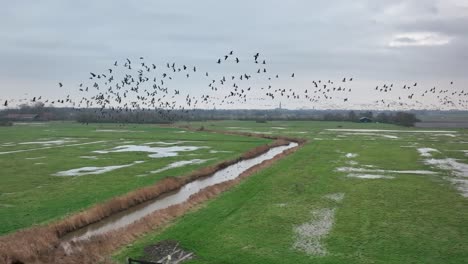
[137, 261]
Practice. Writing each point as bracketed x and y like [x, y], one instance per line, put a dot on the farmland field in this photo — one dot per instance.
[355, 193]
[50, 170]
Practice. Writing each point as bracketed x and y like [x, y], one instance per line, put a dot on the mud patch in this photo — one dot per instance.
[168, 252]
[93, 170]
[309, 235]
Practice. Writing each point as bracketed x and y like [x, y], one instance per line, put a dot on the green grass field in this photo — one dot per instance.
[31, 194]
[292, 211]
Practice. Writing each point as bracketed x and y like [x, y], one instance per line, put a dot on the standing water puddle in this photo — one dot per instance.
[136, 213]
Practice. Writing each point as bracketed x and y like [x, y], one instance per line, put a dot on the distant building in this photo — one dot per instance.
[365, 120]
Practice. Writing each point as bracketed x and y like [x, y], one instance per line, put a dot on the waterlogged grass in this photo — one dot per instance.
[30, 193]
[408, 219]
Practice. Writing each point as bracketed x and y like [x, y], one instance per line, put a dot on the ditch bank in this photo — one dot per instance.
[52, 243]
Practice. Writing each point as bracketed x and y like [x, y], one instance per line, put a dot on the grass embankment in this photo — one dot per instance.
[30, 194]
[408, 219]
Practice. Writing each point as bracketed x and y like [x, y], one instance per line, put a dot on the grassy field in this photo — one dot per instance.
[345, 197]
[31, 154]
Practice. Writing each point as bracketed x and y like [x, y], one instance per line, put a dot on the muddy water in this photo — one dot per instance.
[133, 214]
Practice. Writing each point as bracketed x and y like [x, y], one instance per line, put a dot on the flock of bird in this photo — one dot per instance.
[130, 85]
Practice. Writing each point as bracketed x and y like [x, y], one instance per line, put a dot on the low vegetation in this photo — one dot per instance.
[409, 218]
[31, 194]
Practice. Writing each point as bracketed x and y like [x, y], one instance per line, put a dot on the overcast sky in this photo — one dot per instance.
[374, 41]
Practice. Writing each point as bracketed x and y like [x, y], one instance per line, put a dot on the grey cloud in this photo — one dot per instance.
[63, 40]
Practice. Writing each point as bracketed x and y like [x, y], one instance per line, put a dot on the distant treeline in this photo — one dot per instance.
[38, 112]
[397, 118]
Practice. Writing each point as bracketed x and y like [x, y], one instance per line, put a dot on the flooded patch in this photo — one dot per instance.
[309, 235]
[93, 170]
[368, 170]
[8, 144]
[458, 169]
[426, 152]
[461, 185]
[369, 176]
[179, 196]
[28, 124]
[337, 197]
[89, 157]
[48, 143]
[167, 143]
[219, 151]
[258, 132]
[372, 134]
[36, 158]
[387, 130]
[49, 147]
[156, 152]
[119, 130]
[178, 164]
[447, 135]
